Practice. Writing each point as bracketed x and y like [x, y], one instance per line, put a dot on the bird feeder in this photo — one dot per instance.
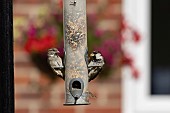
[76, 69]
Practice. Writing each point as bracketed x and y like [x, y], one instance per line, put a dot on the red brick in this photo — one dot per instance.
[27, 96]
[92, 1]
[31, 1]
[44, 80]
[58, 110]
[114, 96]
[102, 110]
[114, 1]
[24, 80]
[21, 111]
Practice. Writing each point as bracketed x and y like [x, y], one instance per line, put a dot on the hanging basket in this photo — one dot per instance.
[41, 62]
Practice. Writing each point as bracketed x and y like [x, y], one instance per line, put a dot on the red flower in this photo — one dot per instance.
[41, 44]
[126, 60]
[123, 24]
[30, 44]
[136, 36]
[135, 73]
[129, 61]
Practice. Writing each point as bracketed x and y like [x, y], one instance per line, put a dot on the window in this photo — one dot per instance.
[160, 47]
[148, 94]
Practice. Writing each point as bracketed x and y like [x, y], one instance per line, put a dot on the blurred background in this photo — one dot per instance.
[38, 27]
[132, 42]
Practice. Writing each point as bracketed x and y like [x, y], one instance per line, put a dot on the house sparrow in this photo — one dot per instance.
[55, 62]
[95, 66]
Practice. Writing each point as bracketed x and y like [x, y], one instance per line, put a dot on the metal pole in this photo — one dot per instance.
[75, 34]
[6, 57]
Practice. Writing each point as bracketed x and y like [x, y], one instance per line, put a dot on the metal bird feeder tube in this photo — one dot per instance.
[76, 70]
[75, 36]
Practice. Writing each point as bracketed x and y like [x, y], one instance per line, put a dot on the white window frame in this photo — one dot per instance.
[136, 92]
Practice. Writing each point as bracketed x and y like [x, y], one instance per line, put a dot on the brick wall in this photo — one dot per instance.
[32, 96]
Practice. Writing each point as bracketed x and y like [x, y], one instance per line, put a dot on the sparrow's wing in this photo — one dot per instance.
[94, 72]
[95, 66]
[60, 62]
